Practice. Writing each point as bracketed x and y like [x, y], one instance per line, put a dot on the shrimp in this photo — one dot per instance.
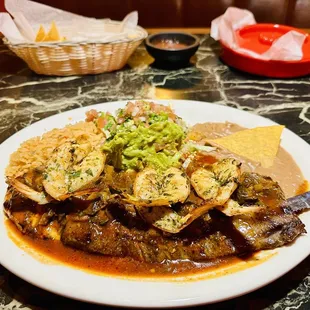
[154, 189]
[173, 220]
[216, 183]
[73, 166]
[232, 207]
[38, 196]
[164, 218]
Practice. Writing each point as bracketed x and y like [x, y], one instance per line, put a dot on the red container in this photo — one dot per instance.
[258, 38]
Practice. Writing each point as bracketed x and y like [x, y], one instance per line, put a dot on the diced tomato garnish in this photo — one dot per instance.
[91, 115]
[101, 122]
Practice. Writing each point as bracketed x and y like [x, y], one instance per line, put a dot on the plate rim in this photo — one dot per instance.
[146, 304]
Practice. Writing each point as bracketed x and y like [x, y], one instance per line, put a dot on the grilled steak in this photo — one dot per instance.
[116, 229]
[220, 236]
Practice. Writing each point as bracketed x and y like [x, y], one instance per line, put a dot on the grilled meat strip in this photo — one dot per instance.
[258, 189]
[125, 234]
[43, 221]
[112, 228]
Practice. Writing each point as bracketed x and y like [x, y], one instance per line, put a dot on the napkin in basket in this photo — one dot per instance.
[287, 48]
[30, 16]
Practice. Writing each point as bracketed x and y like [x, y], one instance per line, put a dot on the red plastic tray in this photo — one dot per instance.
[258, 38]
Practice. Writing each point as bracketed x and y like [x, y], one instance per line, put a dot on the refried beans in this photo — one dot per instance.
[284, 169]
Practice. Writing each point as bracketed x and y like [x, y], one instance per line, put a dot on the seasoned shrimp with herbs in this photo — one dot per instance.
[38, 196]
[213, 184]
[152, 188]
[216, 183]
[72, 167]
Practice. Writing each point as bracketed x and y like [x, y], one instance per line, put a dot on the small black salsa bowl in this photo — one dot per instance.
[172, 49]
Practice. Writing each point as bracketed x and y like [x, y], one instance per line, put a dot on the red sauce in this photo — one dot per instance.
[169, 44]
[55, 251]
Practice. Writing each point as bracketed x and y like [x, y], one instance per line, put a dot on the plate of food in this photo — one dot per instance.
[153, 204]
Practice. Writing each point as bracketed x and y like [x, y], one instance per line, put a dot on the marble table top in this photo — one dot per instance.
[26, 98]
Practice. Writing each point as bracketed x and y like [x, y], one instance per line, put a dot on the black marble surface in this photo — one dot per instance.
[26, 98]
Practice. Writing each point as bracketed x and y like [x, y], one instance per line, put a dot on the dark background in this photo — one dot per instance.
[187, 13]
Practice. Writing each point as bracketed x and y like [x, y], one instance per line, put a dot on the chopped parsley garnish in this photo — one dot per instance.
[75, 174]
[89, 172]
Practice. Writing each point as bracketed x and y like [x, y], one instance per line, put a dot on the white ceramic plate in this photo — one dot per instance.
[77, 284]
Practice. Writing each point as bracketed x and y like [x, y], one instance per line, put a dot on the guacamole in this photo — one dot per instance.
[135, 146]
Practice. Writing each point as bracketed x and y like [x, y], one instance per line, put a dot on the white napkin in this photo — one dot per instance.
[29, 15]
[9, 29]
[287, 47]
[37, 13]
[23, 26]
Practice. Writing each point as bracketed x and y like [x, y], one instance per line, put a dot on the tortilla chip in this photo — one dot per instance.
[53, 34]
[258, 144]
[41, 34]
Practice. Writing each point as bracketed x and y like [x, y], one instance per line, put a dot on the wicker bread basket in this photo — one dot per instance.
[67, 58]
